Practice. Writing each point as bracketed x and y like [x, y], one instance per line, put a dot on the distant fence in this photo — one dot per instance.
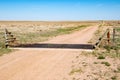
[111, 37]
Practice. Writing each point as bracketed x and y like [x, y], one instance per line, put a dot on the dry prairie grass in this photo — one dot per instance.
[33, 31]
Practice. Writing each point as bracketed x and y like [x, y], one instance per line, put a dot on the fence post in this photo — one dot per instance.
[108, 36]
[113, 35]
[6, 38]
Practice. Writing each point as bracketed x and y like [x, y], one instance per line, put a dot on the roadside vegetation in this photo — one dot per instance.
[101, 64]
[34, 37]
[95, 65]
[3, 50]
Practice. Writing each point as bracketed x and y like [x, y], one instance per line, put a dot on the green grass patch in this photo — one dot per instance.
[101, 57]
[114, 78]
[106, 63]
[95, 62]
[103, 54]
[2, 45]
[4, 51]
[61, 31]
[118, 29]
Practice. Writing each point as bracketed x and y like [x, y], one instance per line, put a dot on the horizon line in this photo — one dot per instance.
[53, 20]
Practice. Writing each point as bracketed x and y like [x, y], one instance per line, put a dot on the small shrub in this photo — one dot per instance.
[75, 71]
[106, 63]
[101, 57]
[95, 62]
[114, 78]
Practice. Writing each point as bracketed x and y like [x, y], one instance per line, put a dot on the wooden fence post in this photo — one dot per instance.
[6, 39]
[113, 35]
[108, 36]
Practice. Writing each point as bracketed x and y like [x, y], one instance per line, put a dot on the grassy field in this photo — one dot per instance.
[34, 37]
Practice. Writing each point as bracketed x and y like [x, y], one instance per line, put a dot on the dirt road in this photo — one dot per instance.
[43, 64]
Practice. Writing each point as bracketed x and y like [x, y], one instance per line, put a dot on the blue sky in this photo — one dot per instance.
[59, 10]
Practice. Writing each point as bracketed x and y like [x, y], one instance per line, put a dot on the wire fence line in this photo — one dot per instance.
[111, 38]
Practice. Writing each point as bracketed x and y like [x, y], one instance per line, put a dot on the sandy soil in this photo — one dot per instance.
[44, 64]
[89, 67]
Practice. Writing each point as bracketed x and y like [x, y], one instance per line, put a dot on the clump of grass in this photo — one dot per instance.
[95, 53]
[95, 62]
[2, 45]
[103, 54]
[77, 56]
[112, 52]
[118, 69]
[4, 51]
[101, 57]
[88, 53]
[106, 63]
[114, 78]
[108, 48]
[118, 29]
[75, 71]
